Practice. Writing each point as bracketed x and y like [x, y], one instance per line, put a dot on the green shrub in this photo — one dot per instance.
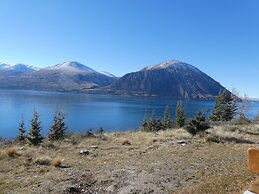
[198, 124]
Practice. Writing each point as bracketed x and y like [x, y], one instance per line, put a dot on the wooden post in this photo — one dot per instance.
[253, 160]
[253, 166]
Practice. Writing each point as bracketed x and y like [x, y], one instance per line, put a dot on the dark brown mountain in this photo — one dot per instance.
[173, 79]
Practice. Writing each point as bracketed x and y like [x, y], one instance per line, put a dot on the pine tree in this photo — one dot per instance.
[152, 122]
[100, 131]
[167, 123]
[197, 124]
[58, 127]
[224, 107]
[159, 125]
[34, 136]
[21, 137]
[144, 125]
[217, 110]
[179, 115]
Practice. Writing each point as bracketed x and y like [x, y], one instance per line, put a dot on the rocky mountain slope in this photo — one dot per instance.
[168, 79]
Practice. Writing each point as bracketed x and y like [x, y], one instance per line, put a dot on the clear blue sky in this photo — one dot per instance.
[220, 37]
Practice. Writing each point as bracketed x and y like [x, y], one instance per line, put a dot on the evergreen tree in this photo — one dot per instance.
[179, 115]
[217, 110]
[21, 137]
[159, 125]
[100, 131]
[34, 136]
[167, 123]
[198, 124]
[224, 107]
[144, 125]
[152, 122]
[58, 127]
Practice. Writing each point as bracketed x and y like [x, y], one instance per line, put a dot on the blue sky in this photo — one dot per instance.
[220, 37]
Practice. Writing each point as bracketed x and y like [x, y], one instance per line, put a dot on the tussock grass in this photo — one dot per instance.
[233, 133]
[11, 152]
[125, 142]
[56, 162]
[2, 154]
[43, 160]
[175, 134]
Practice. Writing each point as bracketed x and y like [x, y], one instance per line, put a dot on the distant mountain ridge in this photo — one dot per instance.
[16, 69]
[174, 79]
[67, 76]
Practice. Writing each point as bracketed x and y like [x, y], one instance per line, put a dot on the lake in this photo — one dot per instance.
[88, 111]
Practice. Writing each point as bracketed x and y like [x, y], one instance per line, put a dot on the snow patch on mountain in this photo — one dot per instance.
[3, 66]
[17, 68]
[72, 66]
[22, 68]
[170, 64]
[108, 74]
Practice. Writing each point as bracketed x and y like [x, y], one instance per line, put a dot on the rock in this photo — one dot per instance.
[182, 142]
[84, 152]
[110, 189]
[21, 148]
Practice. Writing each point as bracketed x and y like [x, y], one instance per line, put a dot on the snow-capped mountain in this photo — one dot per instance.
[3, 65]
[168, 79]
[72, 66]
[67, 76]
[172, 65]
[16, 69]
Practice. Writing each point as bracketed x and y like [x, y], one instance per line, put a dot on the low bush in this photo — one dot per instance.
[43, 160]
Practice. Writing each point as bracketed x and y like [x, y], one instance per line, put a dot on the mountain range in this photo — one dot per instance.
[68, 76]
[174, 79]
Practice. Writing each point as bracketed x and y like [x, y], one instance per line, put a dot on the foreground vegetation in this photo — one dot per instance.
[170, 161]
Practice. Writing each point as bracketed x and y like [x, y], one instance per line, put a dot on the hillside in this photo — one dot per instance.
[132, 162]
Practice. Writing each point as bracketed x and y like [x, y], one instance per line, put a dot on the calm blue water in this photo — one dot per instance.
[85, 111]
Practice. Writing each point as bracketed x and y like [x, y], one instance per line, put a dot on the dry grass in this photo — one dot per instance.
[56, 162]
[234, 133]
[2, 154]
[11, 152]
[125, 142]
